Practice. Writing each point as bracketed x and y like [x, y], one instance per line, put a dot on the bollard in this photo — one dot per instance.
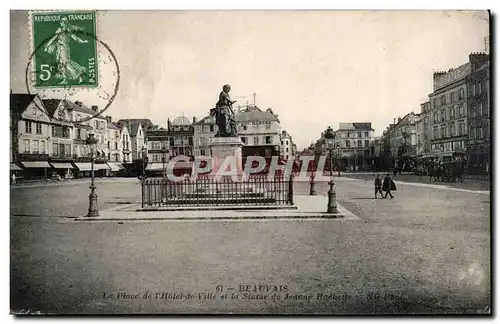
[312, 190]
[332, 200]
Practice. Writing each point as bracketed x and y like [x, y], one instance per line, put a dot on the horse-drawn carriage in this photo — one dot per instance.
[450, 171]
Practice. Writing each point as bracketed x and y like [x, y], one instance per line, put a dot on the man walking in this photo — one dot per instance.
[388, 185]
[378, 186]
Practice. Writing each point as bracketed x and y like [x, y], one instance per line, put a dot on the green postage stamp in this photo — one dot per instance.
[65, 49]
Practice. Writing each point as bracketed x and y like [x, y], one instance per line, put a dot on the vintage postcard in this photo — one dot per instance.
[250, 162]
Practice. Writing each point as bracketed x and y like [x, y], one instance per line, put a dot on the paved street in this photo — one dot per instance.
[425, 251]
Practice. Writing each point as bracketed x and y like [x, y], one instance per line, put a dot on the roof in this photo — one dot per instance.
[182, 121]
[206, 120]
[133, 125]
[83, 109]
[82, 126]
[51, 105]
[19, 102]
[255, 114]
[112, 126]
[366, 126]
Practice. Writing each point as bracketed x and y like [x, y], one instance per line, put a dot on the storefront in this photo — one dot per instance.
[63, 169]
[34, 170]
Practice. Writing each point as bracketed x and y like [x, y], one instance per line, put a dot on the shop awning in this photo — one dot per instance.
[113, 166]
[178, 165]
[101, 166]
[36, 164]
[155, 166]
[61, 165]
[14, 167]
[83, 166]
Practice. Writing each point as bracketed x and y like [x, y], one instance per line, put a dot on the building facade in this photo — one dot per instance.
[115, 150]
[286, 148]
[449, 110]
[478, 112]
[203, 131]
[137, 132]
[352, 142]
[181, 137]
[126, 143]
[260, 131]
[404, 136]
[424, 131]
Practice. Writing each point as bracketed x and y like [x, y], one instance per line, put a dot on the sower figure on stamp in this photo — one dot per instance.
[60, 44]
[224, 115]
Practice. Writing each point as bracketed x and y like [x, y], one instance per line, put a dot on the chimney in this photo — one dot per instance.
[394, 122]
[109, 119]
[95, 108]
[169, 124]
[399, 119]
[194, 120]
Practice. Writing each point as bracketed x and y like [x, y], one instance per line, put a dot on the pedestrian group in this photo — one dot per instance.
[387, 185]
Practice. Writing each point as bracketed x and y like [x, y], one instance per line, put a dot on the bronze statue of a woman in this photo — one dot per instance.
[224, 114]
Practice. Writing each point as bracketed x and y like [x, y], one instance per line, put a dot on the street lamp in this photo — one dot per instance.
[164, 152]
[91, 141]
[332, 195]
[143, 161]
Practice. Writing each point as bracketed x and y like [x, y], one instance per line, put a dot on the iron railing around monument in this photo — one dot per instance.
[256, 190]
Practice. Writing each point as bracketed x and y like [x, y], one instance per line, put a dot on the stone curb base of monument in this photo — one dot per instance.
[305, 208]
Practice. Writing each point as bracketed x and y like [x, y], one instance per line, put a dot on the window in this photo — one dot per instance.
[451, 130]
[451, 112]
[212, 128]
[474, 89]
[55, 149]
[96, 124]
[367, 142]
[27, 128]
[359, 134]
[286, 142]
[256, 140]
[479, 87]
[68, 150]
[26, 146]
[360, 144]
[269, 140]
[109, 145]
[244, 140]
[348, 143]
[348, 134]
[461, 111]
[443, 100]
[461, 128]
[42, 147]
[202, 152]
[116, 145]
[461, 94]
[102, 125]
[36, 146]
[434, 102]
[140, 132]
[366, 134]
[38, 128]
[443, 132]
[452, 96]
[481, 135]
[77, 117]
[480, 109]
[286, 150]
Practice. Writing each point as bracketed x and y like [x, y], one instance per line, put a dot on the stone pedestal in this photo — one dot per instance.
[227, 150]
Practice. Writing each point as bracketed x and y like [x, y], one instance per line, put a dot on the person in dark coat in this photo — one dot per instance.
[378, 186]
[388, 185]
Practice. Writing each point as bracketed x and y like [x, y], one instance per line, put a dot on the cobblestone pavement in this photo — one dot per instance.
[425, 251]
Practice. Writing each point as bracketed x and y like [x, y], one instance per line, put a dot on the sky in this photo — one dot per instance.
[313, 68]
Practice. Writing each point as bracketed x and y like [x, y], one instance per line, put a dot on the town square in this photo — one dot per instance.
[194, 174]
